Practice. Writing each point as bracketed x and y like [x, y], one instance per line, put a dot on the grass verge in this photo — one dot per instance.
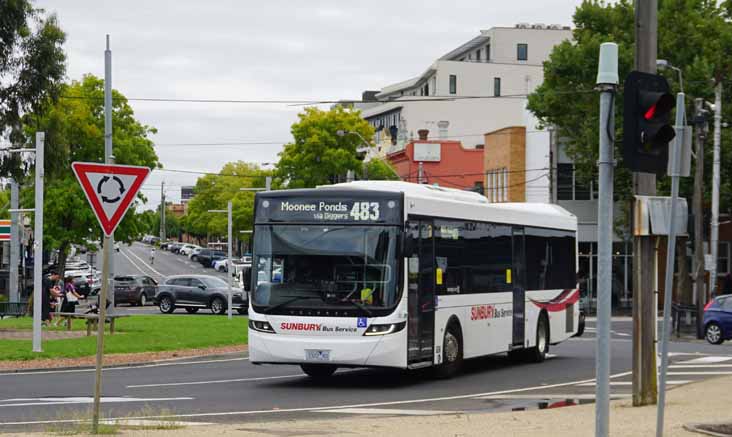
[144, 333]
[80, 422]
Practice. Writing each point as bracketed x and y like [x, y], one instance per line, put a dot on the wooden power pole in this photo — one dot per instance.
[645, 389]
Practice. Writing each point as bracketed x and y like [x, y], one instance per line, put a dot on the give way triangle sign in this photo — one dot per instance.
[110, 189]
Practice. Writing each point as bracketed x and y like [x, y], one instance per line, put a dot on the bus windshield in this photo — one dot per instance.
[325, 268]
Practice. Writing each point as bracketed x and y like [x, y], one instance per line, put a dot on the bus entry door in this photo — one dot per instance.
[519, 287]
[421, 292]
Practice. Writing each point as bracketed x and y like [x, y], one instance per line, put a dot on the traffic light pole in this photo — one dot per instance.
[644, 297]
[714, 236]
[675, 159]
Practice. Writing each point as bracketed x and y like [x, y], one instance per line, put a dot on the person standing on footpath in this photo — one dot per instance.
[50, 293]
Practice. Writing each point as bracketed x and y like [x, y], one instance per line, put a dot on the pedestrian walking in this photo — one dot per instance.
[71, 296]
[152, 255]
[51, 292]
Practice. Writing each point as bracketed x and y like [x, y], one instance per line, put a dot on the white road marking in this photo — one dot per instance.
[27, 402]
[147, 265]
[700, 373]
[388, 411]
[141, 366]
[707, 360]
[151, 423]
[217, 381]
[132, 262]
[699, 366]
[548, 396]
[333, 407]
[628, 383]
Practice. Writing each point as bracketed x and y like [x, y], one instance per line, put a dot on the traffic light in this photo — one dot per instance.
[646, 122]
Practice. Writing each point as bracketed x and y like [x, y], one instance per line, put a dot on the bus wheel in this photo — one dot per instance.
[318, 371]
[452, 353]
[537, 354]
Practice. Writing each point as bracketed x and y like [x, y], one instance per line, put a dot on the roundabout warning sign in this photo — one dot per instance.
[110, 189]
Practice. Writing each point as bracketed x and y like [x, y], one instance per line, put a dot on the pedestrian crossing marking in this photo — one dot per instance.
[707, 360]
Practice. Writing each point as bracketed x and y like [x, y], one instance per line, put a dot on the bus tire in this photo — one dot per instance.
[537, 354]
[580, 325]
[452, 353]
[318, 371]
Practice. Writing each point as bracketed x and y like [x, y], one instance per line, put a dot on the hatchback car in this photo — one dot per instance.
[134, 289]
[718, 319]
[194, 292]
[187, 249]
[207, 257]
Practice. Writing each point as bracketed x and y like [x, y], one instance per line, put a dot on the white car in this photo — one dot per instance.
[187, 249]
[194, 252]
[221, 265]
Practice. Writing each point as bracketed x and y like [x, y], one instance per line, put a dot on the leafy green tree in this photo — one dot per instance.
[318, 155]
[32, 68]
[693, 35]
[214, 191]
[74, 127]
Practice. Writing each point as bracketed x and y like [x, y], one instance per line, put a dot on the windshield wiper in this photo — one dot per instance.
[359, 306]
[287, 302]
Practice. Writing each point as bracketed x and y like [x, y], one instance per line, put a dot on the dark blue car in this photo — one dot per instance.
[718, 319]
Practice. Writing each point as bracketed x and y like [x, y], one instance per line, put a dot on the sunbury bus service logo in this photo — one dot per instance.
[316, 327]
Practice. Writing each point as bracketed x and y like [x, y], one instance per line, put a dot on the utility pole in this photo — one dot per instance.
[13, 294]
[268, 183]
[162, 211]
[38, 243]
[230, 267]
[420, 174]
[349, 176]
[714, 234]
[108, 150]
[645, 390]
[698, 208]
[607, 82]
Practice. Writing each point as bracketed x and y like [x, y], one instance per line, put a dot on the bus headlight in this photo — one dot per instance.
[387, 328]
[261, 326]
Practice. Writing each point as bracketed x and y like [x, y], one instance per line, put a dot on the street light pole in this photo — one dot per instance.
[230, 265]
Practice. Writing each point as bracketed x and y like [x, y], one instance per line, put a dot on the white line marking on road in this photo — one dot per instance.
[147, 265]
[218, 381]
[628, 383]
[388, 411]
[132, 262]
[27, 402]
[699, 366]
[707, 360]
[622, 334]
[162, 424]
[700, 373]
[333, 407]
[547, 396]
[141, 366]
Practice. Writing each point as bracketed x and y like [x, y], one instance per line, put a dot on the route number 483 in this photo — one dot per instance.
[365, 211]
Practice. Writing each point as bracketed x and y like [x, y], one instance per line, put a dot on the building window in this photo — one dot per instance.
[505, 184]
[723, 257]
[496, 86]
[478, 54]
[565, 182]
[488, 52]
[453, 84]
[522, 52]
[478, 187]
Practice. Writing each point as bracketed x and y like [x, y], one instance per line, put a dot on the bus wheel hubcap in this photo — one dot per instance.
[542, 339]
[451, 348]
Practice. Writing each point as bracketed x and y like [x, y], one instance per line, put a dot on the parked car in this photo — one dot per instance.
[207, 257]
[194, 292]
[175, 247]
[187, 249]
[134, 289]
[193, 255]
[718, 319]
[164, 245]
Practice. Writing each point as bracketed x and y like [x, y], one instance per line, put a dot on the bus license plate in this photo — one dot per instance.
[317, 355]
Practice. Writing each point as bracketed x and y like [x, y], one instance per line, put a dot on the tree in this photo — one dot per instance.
[32, 68]
[693, 35]
[318, 155]
[214, 191]
[74, 127]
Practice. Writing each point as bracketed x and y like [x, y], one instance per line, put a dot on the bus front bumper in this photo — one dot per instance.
[382, 350]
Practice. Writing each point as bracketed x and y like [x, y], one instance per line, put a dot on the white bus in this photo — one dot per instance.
[395, 274]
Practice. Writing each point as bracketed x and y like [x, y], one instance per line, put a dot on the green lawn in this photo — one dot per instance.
[133, 334]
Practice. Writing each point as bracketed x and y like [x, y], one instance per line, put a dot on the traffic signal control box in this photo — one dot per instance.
[647, 130]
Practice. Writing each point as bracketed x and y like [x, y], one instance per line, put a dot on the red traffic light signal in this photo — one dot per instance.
[646, 122]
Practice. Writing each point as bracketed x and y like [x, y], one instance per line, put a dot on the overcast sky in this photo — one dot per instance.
[274, 49]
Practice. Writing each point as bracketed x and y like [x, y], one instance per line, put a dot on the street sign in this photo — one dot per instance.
[110, 189]
[4, 230]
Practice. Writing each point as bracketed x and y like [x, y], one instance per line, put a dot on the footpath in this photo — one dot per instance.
[708, 401]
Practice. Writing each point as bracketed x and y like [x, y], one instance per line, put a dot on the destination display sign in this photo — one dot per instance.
[318, 210]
